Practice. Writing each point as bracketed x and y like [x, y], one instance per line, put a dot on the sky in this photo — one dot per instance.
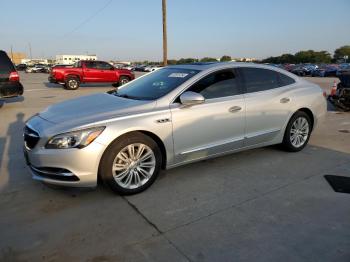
[132, 30]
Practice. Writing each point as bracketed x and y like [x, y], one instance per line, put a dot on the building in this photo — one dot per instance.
[16, 57]
[34, 61]
[71, 59]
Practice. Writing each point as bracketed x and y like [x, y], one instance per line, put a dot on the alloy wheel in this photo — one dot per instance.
[134, 165]
[299, 132]
[73, 83]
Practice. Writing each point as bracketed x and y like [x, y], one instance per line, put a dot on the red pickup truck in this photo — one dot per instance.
[89, 72]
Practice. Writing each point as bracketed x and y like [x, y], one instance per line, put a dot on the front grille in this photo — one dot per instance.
[31, 137]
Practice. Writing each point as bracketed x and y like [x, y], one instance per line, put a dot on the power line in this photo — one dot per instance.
[88, 18]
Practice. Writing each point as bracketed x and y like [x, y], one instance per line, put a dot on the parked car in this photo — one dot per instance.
[10, 85]
[21, 67]
[140, 68]
[89, 72]
[325, 71]
[128, 67]
[170, 117]
[151, 68]
[304, 70]
[37, 68]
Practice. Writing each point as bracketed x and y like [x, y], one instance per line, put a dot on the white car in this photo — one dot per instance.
[151, 68]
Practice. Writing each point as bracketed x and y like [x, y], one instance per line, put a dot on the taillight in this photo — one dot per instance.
[14, 76]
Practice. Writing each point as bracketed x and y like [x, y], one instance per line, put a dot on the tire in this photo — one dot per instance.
[123, 80]
[72, 83]
[123, 180]
[300, 125]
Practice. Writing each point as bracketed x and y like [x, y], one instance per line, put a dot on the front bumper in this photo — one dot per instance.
[67, 167]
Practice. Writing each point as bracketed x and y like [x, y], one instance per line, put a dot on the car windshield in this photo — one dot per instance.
[156, 84]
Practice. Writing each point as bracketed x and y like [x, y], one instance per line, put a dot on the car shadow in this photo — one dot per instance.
[10, 100]
[53, 85]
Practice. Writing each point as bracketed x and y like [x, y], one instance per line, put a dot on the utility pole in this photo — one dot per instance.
[11, 54]
[30, 51]
[165, 41]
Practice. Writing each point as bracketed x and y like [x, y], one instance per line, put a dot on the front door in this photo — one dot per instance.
[106, 72]
[91, 72]
[214, 127]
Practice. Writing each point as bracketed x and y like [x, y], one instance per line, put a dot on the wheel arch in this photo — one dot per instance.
[309, 113]
[149, 134]
[72, 75]
[124, 75]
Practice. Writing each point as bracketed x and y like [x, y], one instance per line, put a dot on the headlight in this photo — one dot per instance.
[76, 139]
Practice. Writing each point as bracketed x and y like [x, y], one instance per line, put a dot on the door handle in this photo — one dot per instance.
[235, 109]
[285, 100]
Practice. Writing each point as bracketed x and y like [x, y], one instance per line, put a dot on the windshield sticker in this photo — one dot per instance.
[180, 75]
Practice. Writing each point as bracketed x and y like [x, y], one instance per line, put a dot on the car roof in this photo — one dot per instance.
[211, 66]
[201, 66]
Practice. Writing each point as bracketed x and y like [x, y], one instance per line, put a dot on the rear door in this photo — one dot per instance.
[8, 88]
[267, 99]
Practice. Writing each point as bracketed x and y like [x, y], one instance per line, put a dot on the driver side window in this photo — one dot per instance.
[104, 66]
[219, 84]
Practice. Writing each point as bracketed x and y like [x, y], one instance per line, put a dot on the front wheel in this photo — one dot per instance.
[131, 164]
[297, 132]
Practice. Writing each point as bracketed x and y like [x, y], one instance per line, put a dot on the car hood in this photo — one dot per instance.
[89, 109]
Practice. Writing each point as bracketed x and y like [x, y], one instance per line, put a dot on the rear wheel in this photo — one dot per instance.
[72, 83]
[298, 132]
[123, 80]
[131, 164]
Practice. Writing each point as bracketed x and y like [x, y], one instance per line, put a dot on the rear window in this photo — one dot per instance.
[285, 80]
[6, 66]
[259, 79]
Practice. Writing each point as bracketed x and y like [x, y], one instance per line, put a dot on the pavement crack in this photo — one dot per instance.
[143, 216]
[160, 232]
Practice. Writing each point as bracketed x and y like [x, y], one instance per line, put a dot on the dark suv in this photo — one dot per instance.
[9, 78]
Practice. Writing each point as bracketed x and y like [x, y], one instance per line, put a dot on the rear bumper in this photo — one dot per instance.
[10, 89]
[52, 79]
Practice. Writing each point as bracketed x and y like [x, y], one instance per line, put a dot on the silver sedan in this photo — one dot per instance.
[173, 116]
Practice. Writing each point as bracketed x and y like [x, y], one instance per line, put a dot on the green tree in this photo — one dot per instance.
[286, 59]
[208, 59]
[340, 52]
[225, 58]
[186, 61]
[311, 56]
[172, 62]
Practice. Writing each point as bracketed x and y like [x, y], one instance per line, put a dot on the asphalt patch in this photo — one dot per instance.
[340, 184]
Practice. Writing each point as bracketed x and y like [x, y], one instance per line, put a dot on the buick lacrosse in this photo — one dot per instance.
[173, 116]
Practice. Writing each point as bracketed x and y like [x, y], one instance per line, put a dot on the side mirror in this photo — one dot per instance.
[190, 98]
